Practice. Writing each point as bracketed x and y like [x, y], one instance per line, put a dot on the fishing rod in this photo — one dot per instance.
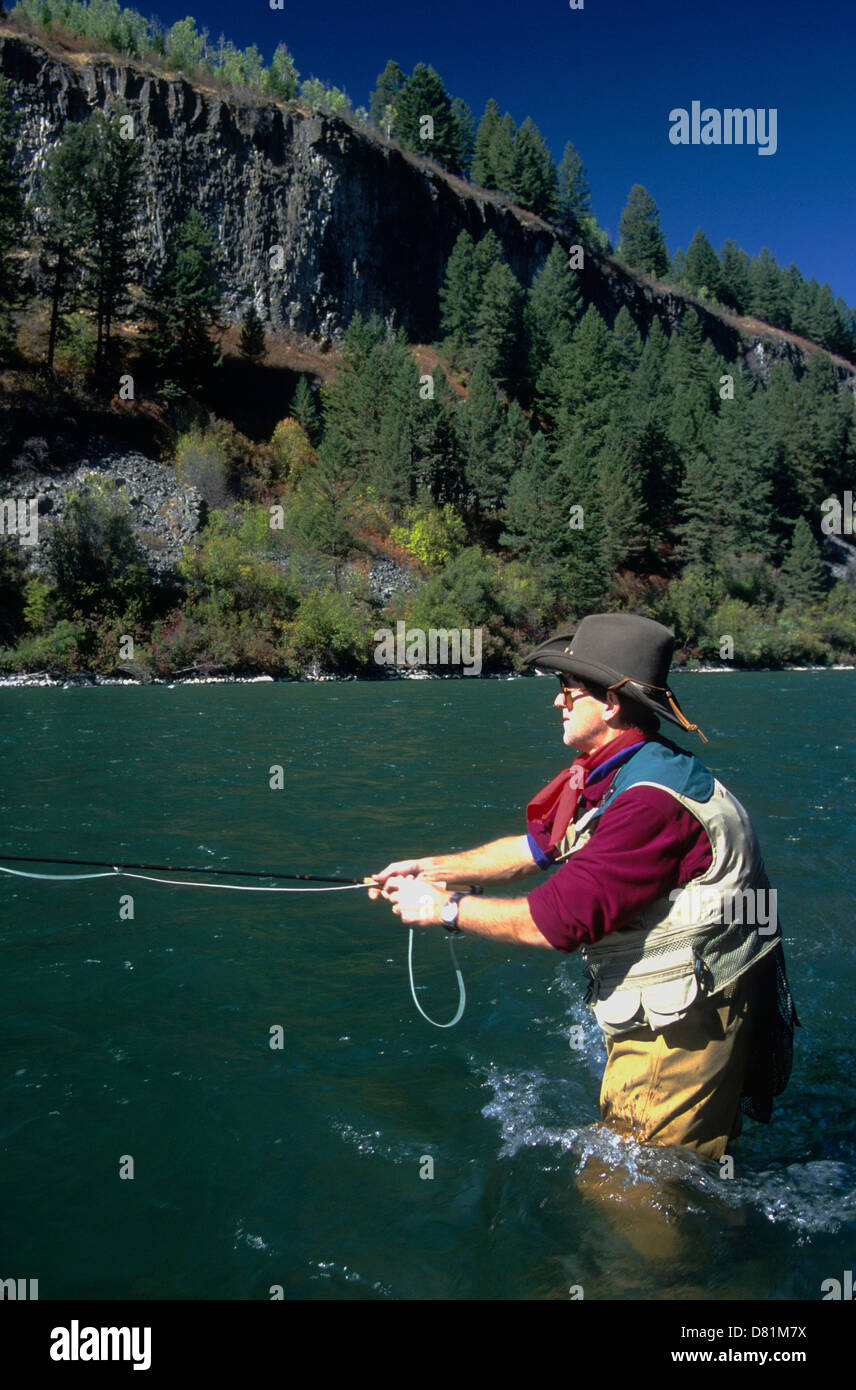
[183, 869]
[142, 871]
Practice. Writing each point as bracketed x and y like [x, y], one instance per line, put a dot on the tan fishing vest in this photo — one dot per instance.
[692, 942]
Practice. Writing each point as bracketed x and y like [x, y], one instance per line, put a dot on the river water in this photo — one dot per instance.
[142, 1044]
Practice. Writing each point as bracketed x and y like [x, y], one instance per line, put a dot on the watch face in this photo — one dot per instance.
[449, 912]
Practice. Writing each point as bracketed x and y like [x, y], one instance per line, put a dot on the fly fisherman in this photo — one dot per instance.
[660, 885]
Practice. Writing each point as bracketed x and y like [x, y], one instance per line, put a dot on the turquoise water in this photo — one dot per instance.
[300, 1168]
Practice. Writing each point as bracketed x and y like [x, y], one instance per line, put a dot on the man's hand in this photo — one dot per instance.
[501, 861]
[415, 900]
[402, 868]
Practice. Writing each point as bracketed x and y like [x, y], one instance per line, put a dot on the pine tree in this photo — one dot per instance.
[438, 463]
[848, 328]
[702, 508]
[344, 397]
[282, 79]
[804, 575]
[574, 193]
[423, 94]
[304, 410]
[766, 300]
[484, 173]
[513, 440]
[479, 424]
[185, 303]
[692, 380]
[553, 309]
[734, 285]
[582, 382]
[498, 324]
[660, 470]
[649, 386]
[487, 254]
[325, 502]
[110, 195]
[457, 307]
[534, 185]
[66, 225]
[531, 511]
[789, 427]
[801, 302]
[11, 223]
[620, 485]
[580, 540]
[825, 325]
[642, 245]
[703, 272]
[628, 339]
[552, 521]
[463, 291]
[385, 96]
[502, 155]
[743, 457]
[466, 135]
[830, 414]
[792, 288]
[393, 472]
[678, 268]
[252, 340]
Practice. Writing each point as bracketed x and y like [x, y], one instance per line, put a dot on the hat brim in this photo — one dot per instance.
[551, 658]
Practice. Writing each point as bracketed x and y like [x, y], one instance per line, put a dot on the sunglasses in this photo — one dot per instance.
[573, 690]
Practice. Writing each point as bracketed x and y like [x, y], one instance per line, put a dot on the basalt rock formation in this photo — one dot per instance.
[354, 222]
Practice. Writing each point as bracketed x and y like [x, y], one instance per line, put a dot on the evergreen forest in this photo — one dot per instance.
[534, 464]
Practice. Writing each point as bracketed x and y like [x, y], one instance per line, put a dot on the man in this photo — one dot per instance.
[660, 884]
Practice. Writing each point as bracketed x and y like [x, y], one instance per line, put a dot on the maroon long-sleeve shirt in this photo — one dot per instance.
[644, 845]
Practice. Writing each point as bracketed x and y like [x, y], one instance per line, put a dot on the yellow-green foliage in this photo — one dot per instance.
[215, 458]
[37, 603]
[201, 461]
[292, 451]
[228, 569]
[330, 630]
[76, 342]
[433, 534]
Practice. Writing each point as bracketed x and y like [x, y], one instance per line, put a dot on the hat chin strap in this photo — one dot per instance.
[664, 689]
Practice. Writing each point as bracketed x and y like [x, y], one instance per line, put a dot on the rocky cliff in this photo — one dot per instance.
[361, 225]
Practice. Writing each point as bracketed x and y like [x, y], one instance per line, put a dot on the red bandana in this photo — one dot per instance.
[555, 805]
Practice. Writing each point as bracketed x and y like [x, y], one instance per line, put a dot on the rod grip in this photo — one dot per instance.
[474, 888]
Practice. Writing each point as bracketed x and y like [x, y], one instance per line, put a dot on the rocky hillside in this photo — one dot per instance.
[362, 226]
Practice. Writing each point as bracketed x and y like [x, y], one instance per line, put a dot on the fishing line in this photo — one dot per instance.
[340, 886]
[181, 883]
[462, 992]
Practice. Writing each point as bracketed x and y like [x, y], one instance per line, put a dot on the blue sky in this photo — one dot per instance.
[606, 77]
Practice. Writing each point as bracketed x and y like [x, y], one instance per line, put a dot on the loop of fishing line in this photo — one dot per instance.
[462, 991]
[118, 872]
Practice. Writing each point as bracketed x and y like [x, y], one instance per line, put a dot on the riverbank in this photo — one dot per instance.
[44, 679]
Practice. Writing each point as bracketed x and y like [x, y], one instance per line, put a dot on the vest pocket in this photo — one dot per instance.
[669, 1002]
[619, 1011]
[654, 1005]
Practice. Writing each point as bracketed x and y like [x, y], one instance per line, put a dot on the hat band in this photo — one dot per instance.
[664, 689]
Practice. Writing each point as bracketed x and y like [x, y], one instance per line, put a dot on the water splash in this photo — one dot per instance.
[817, 1197]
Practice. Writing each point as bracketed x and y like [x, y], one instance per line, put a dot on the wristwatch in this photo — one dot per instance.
[449, 912]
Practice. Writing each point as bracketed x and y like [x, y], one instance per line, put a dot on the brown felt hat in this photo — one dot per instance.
[620, 652]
